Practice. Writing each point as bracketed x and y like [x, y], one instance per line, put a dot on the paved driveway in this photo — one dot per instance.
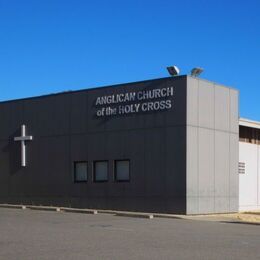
[31, 234]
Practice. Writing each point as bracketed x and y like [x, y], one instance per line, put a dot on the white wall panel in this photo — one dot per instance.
[248, 182]
[222, 109]
[206, 104]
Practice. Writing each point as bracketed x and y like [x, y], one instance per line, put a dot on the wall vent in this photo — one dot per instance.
[241, 168]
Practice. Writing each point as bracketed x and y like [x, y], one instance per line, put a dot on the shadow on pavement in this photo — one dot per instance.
[241, 222]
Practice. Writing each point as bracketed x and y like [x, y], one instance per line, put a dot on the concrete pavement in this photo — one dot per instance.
[29, 234]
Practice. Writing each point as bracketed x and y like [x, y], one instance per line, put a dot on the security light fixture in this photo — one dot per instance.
[195, 72]
[173, 70]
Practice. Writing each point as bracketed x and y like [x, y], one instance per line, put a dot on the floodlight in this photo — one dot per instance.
[173, 70]
[195, 72]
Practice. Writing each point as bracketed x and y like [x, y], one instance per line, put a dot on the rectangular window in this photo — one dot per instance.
[80, 171]
[101, 171]
[122, 170]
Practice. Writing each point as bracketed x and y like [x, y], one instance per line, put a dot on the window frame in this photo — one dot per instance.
[74, 172]
[115, 170]
[94, 171]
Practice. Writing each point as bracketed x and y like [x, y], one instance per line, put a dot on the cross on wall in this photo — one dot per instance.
[23, 138]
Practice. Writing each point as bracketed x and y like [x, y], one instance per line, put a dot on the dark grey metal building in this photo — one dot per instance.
[165, 145]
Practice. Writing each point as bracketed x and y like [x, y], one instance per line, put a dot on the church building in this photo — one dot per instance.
[168, 145]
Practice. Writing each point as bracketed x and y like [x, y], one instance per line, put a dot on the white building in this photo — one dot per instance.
[249, 165]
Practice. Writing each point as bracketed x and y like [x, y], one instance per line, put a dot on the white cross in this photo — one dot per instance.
[22, 139]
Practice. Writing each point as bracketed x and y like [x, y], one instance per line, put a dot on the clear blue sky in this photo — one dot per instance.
[49, 46]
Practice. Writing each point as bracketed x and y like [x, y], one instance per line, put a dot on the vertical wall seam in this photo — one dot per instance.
[229, 149]
[198, 156]
[257, 176]
[186, 149]
[214, 150]
[71, 166]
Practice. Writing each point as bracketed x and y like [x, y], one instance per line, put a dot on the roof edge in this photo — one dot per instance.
[90, 89]
[249, 123]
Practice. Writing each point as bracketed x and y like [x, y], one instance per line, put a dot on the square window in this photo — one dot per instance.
[101, 171]
[80, 171]
[122, 170]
